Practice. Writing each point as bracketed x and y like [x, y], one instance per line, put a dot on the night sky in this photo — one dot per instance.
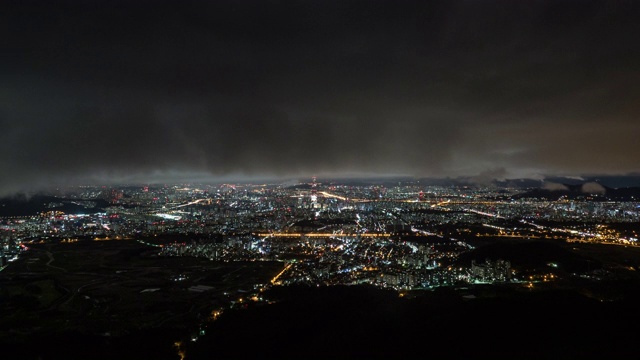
[155, 91]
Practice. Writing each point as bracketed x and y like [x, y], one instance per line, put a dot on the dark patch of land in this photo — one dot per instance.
[368, 323]
[22, 205]
[109, 292]
[88, 302]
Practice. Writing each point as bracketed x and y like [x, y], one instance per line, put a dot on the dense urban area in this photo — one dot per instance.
[404, 237]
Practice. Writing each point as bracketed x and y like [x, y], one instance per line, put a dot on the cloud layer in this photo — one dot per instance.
[153, 91]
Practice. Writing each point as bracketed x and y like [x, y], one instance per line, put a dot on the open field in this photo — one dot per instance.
[114, 287]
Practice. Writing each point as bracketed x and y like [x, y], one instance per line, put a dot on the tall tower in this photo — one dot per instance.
[314, 192]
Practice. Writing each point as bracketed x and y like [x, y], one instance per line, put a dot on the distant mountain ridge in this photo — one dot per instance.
[580, 191]
[26, 206]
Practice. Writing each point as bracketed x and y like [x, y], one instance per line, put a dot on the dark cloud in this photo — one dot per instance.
[593, 188]
[554, 186]
[160, 90]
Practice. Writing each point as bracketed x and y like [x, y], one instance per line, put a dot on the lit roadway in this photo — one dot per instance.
[334, 196]
[596, 237]
[274, 281]
[183, 205]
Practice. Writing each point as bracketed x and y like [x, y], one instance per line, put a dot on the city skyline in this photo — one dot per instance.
[133, 91]
[191, 272]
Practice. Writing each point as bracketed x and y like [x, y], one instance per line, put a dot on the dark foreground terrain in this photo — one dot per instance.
[367, 323]
[361, 323]
[115, 300]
